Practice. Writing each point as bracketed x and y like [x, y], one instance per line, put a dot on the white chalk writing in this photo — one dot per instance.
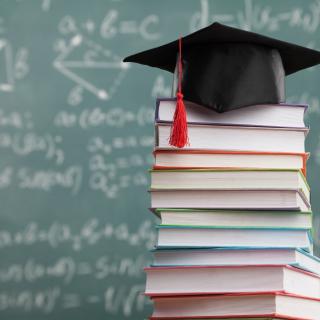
[91, 233]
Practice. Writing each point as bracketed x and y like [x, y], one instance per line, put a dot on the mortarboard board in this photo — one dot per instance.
[225, 68]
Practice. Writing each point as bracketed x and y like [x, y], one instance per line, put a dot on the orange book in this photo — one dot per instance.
[226, 159]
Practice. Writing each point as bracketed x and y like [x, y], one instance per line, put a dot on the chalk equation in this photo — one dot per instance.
[67, 269]
[93, 232]
[115, 117]
[45, 180]
[16, 119]
[123, 300]
[254, 15]
[107, 177]
[112, 25]
[29, 143]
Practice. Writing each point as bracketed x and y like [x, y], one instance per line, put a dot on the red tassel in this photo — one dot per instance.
[179, 128]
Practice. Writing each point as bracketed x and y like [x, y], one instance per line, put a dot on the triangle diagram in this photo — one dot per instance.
[92, 67]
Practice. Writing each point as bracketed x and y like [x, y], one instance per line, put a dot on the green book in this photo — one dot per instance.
[235, 218]
[233, 179]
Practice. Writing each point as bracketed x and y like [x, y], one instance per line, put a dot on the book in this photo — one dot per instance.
[235, 218]
[236, 256]
[204, 137]
[173, 158]
[230, 199]
[275, 115]
[193, 237]
[258, 305]
[233, 179]
[195, 280]
[238, 318]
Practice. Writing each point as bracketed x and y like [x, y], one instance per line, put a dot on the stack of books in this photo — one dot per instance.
[235, 234]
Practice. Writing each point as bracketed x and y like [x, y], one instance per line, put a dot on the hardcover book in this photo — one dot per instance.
[242, 199]
[198, 237]
[275, 115]
[274, 305]
[233, 179]
[197, 280]
[236, 138]
[234, 256]
[235, 218]
[184, 159]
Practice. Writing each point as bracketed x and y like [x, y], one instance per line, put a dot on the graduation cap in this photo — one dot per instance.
[225, 68]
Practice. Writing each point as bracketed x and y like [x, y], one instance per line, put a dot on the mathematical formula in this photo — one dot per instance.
[91, 233]
[115, 300]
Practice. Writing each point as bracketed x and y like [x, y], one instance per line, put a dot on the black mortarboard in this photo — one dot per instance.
[225, 68]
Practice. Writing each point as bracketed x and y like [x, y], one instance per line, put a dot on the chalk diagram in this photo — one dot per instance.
[6, 66]
[91, 67]
[12, 67]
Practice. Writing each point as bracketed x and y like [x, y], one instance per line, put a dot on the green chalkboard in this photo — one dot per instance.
[76, 137]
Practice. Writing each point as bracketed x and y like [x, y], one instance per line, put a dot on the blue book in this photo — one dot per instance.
[195, 237]
[233, 256]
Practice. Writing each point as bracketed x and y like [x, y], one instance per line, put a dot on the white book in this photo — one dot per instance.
[195, 237]
[234, 219]
[233, 179]
[230, 199]
[275, 115]
[231, 279]
[258, 139]
[236, 256]
[224, 159]
[240, 306]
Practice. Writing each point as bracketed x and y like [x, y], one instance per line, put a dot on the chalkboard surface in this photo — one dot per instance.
[76, 138]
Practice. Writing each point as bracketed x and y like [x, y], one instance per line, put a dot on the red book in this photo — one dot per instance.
[226, 159]
[257, 305]
[197, 280]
